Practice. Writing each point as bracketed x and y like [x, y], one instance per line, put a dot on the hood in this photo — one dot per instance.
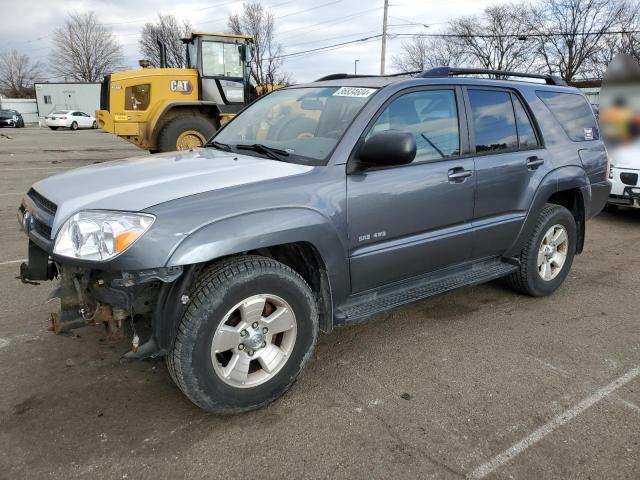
[6, 116]
[136, 184]
[626, 156]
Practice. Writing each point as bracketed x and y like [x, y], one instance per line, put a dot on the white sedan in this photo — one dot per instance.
[72, 119]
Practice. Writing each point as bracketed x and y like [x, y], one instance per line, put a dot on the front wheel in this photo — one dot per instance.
[547, 257]
[249, 330]
[94, 125]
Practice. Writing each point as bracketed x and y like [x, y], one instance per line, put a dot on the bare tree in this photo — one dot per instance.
[627, 42]
[168, 30]
[571, 33]
[496, 39]
[266, 67]
[17, 74]
[84, 50]
[421, 53]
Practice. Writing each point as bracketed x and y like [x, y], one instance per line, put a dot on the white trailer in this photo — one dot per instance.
[67, 96]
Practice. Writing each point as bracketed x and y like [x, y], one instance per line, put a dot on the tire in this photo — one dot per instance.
[74, 126]
[94, 125]
[20, 124]
[528, 279]
[198, 367]
[170, 134]
[53, 128]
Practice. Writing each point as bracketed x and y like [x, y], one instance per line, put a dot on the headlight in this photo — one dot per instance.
[99, 234]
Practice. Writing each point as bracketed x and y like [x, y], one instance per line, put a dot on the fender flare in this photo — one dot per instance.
[266, 228]
[561, 179]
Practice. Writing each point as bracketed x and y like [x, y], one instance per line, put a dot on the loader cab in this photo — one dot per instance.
[222, 61]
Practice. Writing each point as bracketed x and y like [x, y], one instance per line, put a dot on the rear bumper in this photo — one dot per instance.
[56, 123]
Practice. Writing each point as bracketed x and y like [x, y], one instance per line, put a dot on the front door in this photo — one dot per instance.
[413, 219]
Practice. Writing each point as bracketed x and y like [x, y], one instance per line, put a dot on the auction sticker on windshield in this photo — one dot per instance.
[354, 92]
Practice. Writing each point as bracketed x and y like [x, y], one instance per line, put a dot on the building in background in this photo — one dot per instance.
[26, 106]
[67, 96]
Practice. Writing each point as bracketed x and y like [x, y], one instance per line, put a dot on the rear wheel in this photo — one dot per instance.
[546, 259]
[184, 133]
[74, 126]
[250, 328]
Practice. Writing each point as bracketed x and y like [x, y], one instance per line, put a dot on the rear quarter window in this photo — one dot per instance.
[573, 113]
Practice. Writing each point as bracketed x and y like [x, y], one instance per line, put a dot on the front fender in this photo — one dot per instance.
[263, 229]
[558, 180]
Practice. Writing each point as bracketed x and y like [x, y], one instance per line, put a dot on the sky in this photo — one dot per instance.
[27, 25]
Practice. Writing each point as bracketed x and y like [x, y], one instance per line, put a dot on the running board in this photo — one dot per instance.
[362, 306]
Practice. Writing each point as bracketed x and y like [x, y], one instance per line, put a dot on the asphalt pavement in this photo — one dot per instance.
[478, 383]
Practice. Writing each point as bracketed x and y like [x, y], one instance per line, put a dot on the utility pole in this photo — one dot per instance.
[383, 54]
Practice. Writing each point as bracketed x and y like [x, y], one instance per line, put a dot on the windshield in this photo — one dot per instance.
[306, 123]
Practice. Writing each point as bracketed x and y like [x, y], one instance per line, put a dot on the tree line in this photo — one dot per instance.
[84, 50]
[574, 39]
[571, 38]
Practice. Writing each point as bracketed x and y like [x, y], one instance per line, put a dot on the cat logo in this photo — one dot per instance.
[183, 86]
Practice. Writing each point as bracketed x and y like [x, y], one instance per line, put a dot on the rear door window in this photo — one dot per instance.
[526, 133]
[573, 113]
[493, 120]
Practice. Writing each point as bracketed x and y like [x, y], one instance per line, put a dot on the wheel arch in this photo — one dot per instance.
[300, 237]
[566, 186]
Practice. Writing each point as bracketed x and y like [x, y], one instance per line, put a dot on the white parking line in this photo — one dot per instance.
[11, 262]
[486, 468]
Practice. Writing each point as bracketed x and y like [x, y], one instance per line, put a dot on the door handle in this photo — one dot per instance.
[534, 162]
[459, 175]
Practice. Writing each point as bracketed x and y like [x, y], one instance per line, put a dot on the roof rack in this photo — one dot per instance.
[449, 71]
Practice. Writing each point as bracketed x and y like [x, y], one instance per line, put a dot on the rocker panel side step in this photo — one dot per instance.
[365, 305]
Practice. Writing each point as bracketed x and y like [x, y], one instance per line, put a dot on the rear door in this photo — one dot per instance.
[510, 163]
[412, 219]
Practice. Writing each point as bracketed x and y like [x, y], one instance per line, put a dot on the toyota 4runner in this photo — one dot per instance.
[320, 205]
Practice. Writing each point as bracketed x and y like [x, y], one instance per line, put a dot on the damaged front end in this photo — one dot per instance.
[111, 299]
[94, 292]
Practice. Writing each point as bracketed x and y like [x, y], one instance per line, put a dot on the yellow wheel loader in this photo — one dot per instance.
[167, 109]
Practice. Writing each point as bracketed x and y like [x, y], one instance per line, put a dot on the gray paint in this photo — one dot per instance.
[210, 204]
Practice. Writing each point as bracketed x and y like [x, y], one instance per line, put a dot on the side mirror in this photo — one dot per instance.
[388, 148]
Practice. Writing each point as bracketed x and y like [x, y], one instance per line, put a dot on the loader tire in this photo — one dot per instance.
[184, 133]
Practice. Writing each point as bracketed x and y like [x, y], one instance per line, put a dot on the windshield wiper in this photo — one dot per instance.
[219, 146]
[272, 153]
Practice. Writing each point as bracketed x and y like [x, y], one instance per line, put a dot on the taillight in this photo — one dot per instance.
[609, 171]
[62, 118]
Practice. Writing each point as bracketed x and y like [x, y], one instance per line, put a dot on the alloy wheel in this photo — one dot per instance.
[253, 341]
[552, 253]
